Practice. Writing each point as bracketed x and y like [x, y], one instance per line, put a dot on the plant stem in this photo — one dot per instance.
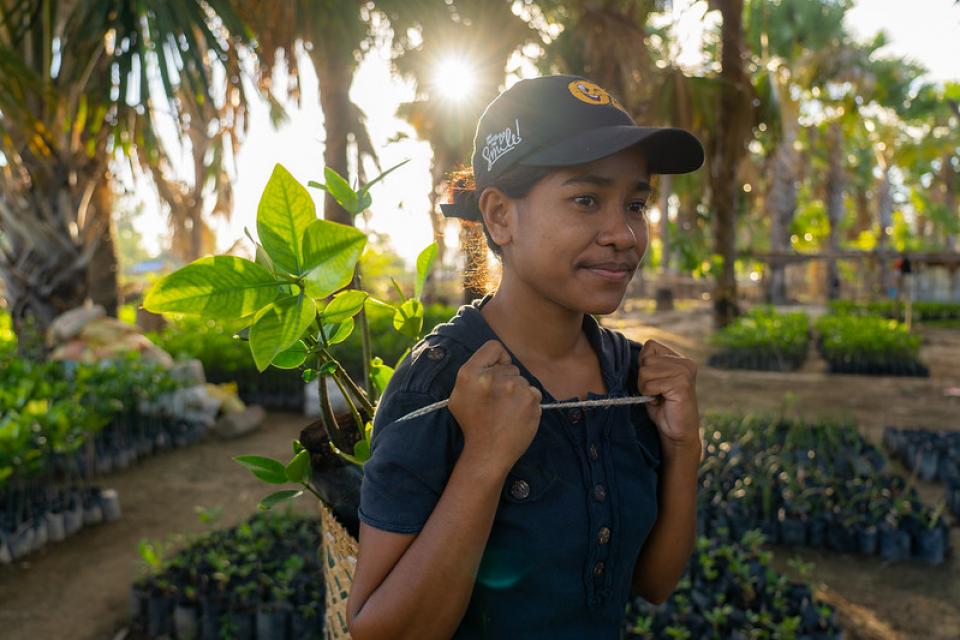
[357, 391]
[357, 420]
[364, 335]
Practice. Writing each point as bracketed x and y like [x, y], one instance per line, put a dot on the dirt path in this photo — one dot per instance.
[79, 589]
[876, 600]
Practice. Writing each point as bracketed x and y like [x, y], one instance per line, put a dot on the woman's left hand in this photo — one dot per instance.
[664, 372]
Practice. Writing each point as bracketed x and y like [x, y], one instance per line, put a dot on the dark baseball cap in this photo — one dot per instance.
[564, 120]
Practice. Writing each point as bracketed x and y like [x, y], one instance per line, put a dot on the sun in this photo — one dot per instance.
[454, 78]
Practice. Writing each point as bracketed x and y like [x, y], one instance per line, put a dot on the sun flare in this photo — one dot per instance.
[454, 79]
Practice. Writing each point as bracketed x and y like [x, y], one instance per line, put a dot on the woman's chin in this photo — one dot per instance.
[602, 302]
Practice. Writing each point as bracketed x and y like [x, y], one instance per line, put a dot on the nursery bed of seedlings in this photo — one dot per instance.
[62, 424]
[259, 580]
[932, 455]
[815, 484]
[869, 345]
[922, 311]
[762, 339]
[729, 591]
[227, 359]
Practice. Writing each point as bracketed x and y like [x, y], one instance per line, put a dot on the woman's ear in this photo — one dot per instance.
[497, 210]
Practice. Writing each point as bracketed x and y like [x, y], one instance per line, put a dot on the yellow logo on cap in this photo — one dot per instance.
[592, 93]
[589, 92]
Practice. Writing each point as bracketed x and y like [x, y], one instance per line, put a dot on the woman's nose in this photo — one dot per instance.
[622, 231]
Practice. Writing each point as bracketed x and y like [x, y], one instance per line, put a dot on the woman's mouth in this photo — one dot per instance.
[610, 274]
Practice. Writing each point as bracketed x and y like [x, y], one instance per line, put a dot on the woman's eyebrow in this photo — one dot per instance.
[589, 178]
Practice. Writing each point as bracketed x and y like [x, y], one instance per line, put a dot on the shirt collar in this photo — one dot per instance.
[471, 329]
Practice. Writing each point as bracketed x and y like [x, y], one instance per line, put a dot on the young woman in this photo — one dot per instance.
[494, 518]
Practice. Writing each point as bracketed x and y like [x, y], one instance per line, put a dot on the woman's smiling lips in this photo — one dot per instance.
[612, 271]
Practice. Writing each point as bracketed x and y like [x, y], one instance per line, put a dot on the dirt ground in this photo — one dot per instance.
[876, 600]
[78, 589]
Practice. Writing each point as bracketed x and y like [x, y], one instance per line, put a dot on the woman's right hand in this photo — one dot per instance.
[496, 408]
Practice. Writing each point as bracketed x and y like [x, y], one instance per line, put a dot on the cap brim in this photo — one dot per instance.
[669, 150]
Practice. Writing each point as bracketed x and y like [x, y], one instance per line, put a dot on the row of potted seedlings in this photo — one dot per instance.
[922, 311]
[730, 591]
[762, 339]
[931, 455]
[62, 424]
[259, 580]
[869, 345]
[814, 484]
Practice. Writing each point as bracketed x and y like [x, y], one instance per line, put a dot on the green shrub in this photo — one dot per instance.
[867, 344]
[763, 339]
[923, 311]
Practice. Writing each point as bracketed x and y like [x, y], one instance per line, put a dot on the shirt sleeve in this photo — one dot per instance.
[409, 465]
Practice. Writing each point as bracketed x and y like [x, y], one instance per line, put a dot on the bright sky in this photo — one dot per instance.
[924, 30]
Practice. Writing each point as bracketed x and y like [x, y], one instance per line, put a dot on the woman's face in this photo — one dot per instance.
[578, 236]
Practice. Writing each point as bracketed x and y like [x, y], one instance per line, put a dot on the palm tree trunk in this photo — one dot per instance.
[666, 185]
[334, 75]
[102, 271]
[949, 198]
[728, 150]
[885, 215]
[835, 186]
[782, 203]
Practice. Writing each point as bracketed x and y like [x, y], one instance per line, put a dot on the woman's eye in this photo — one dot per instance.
[638, 207]
[585, 201]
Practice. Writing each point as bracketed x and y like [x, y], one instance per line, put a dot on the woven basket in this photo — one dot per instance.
[339, 563]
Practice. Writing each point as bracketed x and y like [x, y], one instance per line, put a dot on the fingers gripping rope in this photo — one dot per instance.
[548, 405]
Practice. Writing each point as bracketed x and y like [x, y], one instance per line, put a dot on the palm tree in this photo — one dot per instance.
[482, 35]
[75, 93]
[795, 44]
[726, 151]
[333, 36]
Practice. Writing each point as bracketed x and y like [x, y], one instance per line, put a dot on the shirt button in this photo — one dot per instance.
[575, 415]
[436, 353]
[598, 569]
[603, 537]
[594, 454]
[599, 492]
[520, 489]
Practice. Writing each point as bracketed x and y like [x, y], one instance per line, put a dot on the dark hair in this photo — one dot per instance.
[516, 182]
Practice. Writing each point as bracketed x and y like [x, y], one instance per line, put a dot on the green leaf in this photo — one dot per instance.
[262, 258]
[345, 304]
[339, 332]
[274, 499]
[365, 200]
[341, 191]
[361, 450]
[374, 307]
[298, 470]
[278, 326]
[297, 447]
[424, 262]
[344, 455]
[309, 375]
[285, 211]
[408, 320]
[331, 251]
[267, 469]
[218, 287]
[383, 175]
[291, 358]
[380, 374]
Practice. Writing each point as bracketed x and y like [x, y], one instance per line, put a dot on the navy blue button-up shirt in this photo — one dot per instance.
[575, 509]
